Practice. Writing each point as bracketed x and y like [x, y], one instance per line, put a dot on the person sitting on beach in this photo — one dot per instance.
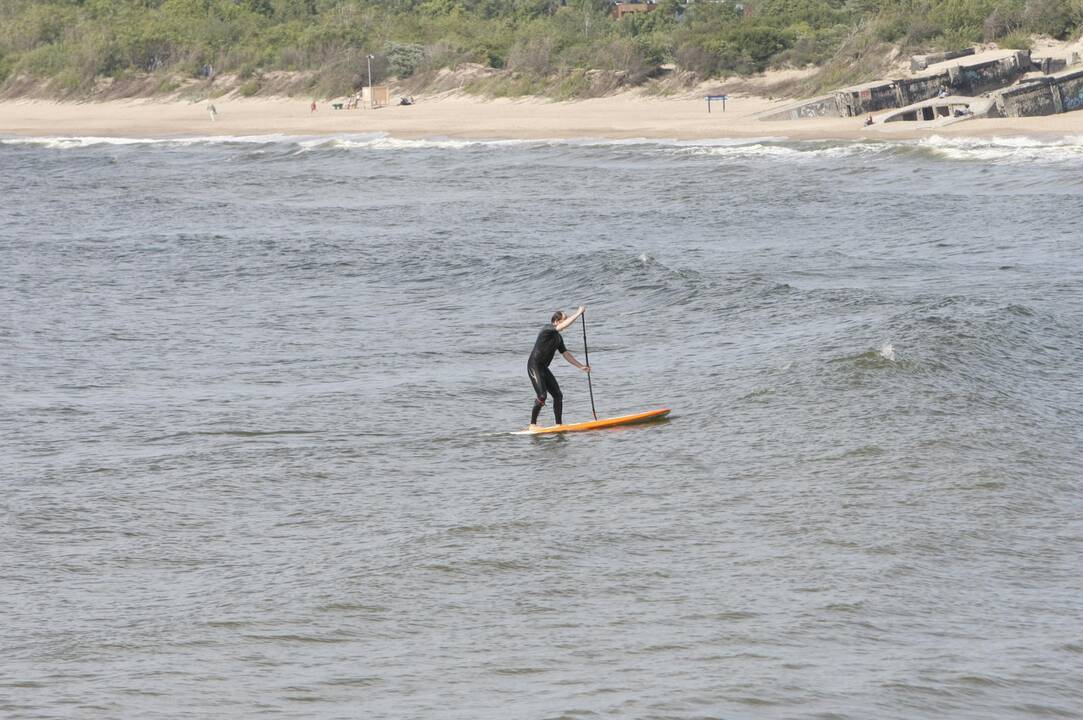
[537, 365]
[868, 121]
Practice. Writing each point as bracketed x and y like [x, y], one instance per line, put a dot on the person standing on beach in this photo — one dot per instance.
[537, 365]
[212, 111]
[313, 106]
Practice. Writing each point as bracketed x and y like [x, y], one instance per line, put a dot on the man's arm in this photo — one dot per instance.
[571, 358]
[567, 322]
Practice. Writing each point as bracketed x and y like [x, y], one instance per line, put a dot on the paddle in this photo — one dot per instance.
[586, 356]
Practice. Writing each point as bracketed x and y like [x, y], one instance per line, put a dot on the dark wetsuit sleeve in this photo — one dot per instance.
[560, 344]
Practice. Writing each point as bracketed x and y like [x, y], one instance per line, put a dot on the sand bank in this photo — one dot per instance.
[458, 116]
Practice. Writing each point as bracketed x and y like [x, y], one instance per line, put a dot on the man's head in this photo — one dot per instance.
[558, 317]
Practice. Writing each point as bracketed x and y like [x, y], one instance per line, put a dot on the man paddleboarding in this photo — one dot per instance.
[537, 366]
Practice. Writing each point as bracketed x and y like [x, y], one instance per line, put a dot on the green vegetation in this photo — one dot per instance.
[565, 49]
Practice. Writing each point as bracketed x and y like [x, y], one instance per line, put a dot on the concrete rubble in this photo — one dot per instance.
[955, 86]
[1049, 95]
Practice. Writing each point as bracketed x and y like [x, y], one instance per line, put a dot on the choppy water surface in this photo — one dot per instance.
[256, 394]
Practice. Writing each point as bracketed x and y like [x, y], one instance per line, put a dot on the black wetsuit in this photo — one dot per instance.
[537, 367]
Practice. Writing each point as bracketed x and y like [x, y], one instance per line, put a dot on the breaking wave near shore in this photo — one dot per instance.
[1006, 149]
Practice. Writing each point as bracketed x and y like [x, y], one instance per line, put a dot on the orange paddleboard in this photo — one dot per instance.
[599, 424]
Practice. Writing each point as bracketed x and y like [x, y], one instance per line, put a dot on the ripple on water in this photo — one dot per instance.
[259, 392]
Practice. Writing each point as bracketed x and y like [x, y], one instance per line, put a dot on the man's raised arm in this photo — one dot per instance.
[567, 322]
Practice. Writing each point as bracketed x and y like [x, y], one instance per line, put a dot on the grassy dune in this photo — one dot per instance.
[572, 49]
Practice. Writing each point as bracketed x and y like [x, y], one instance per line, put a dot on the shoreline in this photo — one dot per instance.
[460, 117]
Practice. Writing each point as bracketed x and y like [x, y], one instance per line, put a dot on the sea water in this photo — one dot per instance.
[256, 396]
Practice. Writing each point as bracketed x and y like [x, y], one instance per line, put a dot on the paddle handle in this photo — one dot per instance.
[586, 356]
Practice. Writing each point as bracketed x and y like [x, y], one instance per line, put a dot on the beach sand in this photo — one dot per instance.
[455, 115]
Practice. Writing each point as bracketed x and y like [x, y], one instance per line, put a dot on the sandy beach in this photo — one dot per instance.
[455, 115]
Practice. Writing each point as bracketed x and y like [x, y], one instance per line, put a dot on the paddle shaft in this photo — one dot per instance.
[586, 356]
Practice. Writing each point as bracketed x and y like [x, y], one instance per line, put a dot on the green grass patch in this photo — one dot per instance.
[1016, 41]
[250, 88]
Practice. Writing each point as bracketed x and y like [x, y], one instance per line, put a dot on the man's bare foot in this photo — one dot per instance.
[531, 426]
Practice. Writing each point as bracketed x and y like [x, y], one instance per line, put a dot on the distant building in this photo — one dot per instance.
[620, 9]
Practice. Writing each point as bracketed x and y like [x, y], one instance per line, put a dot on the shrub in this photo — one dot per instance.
[811, 49]
[999, 23]
[167, 85]
[45, 61]
[1052, 17]
[760, 43]
[697, 58]
[816, 13]
[403, 60]
[68, 80]
[1017, 40]
[248, 70]
[575, 84]
[655, 48]
[891, 28]
[921, 30]
[534, 56]
[621, 55]
[442, 54]
[955, 39]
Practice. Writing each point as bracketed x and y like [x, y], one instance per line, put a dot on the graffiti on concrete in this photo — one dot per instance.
[1071, 92]
[1074, 102]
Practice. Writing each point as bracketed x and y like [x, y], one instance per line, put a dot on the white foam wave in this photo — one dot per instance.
[1005, 149]
[381, 141]
[887, 351]
[991, 149]
[69, 143]
[84, 141]
[378, 141]
[789, 150]
[750, 150]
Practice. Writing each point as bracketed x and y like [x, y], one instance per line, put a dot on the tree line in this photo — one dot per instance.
[541, 45]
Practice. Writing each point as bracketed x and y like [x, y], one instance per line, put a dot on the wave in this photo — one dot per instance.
[1009, 150]
[1006, 150]
[383, 141]
[375, 141]
[881, 357]
[788, 149]
[86, 141]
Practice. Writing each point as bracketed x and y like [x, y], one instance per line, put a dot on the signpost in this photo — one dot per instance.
[717, 98]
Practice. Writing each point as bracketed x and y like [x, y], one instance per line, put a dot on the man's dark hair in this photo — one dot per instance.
[557, 316]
